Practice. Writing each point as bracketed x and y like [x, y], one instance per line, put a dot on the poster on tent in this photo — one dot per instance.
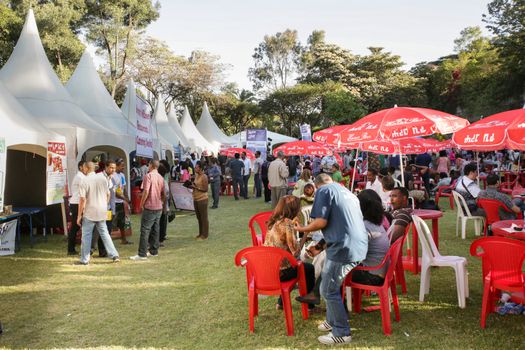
[256, 140]
[3, 157]
[306, 132]
[182, 196]
[56, 170]
[144, 140]
[8, 237]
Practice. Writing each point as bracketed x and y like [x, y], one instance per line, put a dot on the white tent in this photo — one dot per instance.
[163, 125]
[209, 129]
[196, 140]
[174, 123]
[28, 75]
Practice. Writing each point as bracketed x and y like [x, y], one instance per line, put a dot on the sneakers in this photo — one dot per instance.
[81, 263]
[115, 259]
[325, 327]
[152, 255]
[330, 339]
[138, 258]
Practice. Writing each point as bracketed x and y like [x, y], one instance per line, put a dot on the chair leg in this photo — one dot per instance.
[400, 275]
[457, 224]
[288, 314]
[463, 228]
[451, 199]
[459, 285]
[395, 301]
[256, 304]
[485, 303]
[357, 295]
[251, 308]
[424, 284]
[348, 293]
[385, 313]
[467, 292]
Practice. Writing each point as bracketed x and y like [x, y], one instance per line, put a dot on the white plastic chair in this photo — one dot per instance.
[397, 183]
[432, 257]
[463, 215]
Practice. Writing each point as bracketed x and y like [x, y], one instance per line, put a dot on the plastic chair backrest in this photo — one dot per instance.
[392, 256]
[502, 257]
[261, 219]
[425, 237]
[263, 265]
[397, 183]
[491, 207]
[463, 209]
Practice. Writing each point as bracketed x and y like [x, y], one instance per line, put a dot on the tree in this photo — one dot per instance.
[113, 26]
[275, 61]
[10, 25]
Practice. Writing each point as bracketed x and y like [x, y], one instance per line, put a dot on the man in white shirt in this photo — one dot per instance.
[468, 187]
[257, 164]
[92, 212]
[326, 164]
[373, 182]
[246, 172]
[73, 207]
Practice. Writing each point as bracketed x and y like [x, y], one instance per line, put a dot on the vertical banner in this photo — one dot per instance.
[256, 140]
[8, 237]
[56, 172]
[306, 133]
[144, 139]
[3, 158]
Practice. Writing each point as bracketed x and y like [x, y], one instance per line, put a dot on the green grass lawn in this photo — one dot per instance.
[193, 297]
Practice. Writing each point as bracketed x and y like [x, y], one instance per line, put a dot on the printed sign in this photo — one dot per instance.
[3, 157]
[56, 172]
[182, 196]
[256, 140]
[306, 132]
[8, 237]
[144, 140]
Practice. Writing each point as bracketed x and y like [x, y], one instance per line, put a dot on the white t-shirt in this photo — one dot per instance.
[247, 166]
[94, 188]
[375, 186]
[75, 197]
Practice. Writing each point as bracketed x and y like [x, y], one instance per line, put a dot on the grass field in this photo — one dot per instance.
[193, 297]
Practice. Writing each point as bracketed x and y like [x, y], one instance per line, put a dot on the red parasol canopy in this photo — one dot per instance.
[490, 133]
[300, 148]
[230, 152]
[393, 124]
[516, 132]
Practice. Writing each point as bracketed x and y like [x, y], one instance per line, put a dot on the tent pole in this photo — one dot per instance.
[477, 165]
[355, 167]
[401, 164]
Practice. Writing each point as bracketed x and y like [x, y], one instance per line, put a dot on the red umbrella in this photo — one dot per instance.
[300, 148]
[488, 134]
[516, 132]
[329, 135]
[230, 152]
[435, 146]
[396, 123]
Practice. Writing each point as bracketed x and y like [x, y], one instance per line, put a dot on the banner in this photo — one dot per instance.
[8, 237]
[256, 140]
[182, 196]
[306, 132]
[144, 139]
[3, 158]
[56, 172]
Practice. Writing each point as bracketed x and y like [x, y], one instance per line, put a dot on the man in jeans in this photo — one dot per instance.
[257, 165]
[92, 212]
[152, 202]
[336, 211]
[246, 172]
[278, 178]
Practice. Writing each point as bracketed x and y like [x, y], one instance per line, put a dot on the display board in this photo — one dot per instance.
[182, 196]
[56, 171]
[144, 139]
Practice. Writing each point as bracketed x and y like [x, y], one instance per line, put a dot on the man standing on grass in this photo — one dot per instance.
[151, 203]
[121, 199]
[257, 167]
[247, 171]
[278, 178]
[92, 212]
[336, 211]
[237, 168]
[73, 205]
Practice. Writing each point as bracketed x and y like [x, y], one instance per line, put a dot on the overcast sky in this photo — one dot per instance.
[417, 30]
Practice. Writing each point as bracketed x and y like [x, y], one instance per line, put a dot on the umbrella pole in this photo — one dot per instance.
[355, 167]
[477, 165]
[401, 164]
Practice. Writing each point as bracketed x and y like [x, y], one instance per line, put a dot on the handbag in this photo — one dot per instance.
[171, 213]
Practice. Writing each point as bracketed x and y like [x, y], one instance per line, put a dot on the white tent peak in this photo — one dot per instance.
[88, 90]
[196, 140]
[29, 77]
[209, 129]
[175, 125]
[163, 125]
[128, 107]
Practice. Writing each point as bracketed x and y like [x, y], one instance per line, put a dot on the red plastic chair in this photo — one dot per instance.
[441, 193]
[508, 186]
[491, 207]
[261, 219]
[502, 260]
[262, 274]
[357, 288]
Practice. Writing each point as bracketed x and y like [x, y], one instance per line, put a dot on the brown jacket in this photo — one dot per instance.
[278, 174]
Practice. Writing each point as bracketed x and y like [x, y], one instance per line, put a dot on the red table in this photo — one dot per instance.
[498, 229]
[411, 260]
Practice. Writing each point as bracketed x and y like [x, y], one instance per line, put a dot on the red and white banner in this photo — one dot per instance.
[144, 139]
[56, 171]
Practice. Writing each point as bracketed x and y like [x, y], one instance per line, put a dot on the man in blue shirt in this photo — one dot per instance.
[237, 168]
[337, 213]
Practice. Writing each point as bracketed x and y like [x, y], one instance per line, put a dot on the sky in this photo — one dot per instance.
[417, 30]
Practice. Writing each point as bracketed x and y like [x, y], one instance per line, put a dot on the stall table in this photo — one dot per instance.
[30, 212]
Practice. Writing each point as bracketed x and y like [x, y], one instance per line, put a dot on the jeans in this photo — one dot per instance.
[98, 238]
[291, 273]
[149, 232]
[244, 187]
[365, 277]
[257, 184]
[87, 235]
[267, 191]
[237, 182]
[72, 234]
[331, 280]
[201, 211]
[215, 189]
[277, 194]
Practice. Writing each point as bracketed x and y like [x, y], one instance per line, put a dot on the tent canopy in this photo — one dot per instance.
[174, 123]
[196, 140]
[209, 129]
[163, 125]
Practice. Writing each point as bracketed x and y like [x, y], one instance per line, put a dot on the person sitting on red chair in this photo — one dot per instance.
[492, 193]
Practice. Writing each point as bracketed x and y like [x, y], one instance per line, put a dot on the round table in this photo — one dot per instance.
[499, 228]
[411, 260]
